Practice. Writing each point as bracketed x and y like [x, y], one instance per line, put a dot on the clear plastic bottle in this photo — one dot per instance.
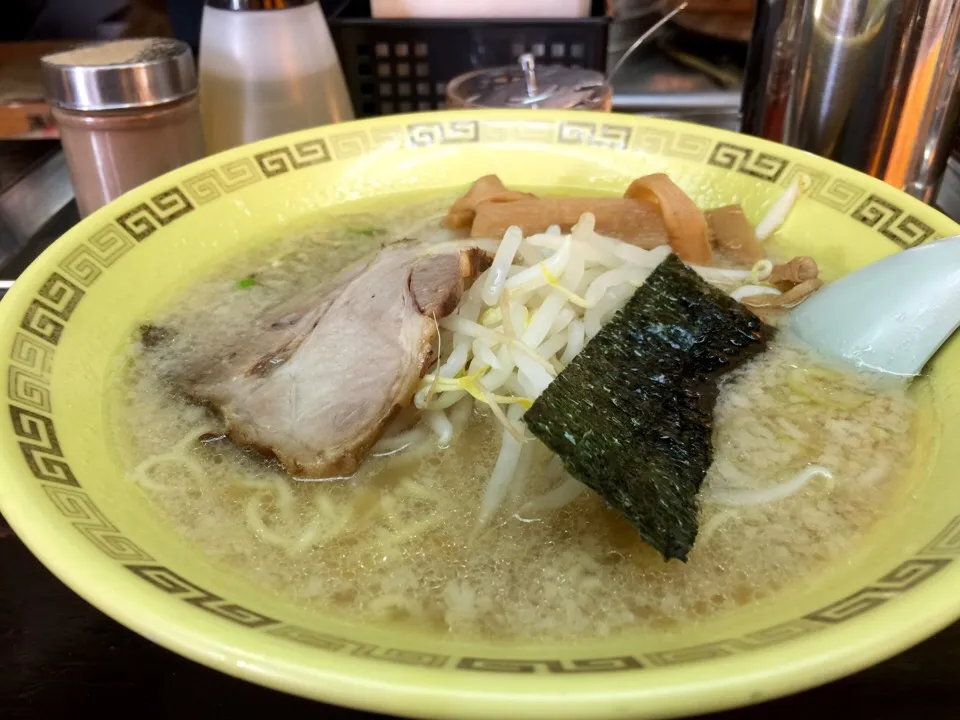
[267, 68]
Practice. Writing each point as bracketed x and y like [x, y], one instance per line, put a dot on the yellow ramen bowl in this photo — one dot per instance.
[64, 491]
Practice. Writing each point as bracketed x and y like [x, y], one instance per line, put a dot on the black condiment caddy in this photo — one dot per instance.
[396, 66]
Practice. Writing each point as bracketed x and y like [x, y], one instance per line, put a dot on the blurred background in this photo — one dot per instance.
[396, 56]
[692, 69]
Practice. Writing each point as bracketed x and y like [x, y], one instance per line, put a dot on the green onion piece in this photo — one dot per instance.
[247, 282]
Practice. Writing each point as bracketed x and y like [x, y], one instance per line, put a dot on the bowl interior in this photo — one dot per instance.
[64, 492]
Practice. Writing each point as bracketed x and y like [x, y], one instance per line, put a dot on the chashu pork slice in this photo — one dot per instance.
[316, 380]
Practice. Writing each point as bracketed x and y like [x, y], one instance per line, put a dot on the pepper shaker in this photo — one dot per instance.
[127, 112]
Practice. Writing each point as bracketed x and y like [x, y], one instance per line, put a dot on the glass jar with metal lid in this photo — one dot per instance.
[528, 86]
[127, 112]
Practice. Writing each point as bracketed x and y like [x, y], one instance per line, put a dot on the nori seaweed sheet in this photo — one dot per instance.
[632, 415]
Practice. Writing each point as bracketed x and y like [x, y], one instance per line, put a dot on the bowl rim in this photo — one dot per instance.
[363, 683]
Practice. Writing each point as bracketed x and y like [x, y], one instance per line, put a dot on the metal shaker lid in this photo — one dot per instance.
[242, 5]
[120, 74]
[529, 86]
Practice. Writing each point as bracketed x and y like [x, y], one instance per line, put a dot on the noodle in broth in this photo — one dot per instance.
[806, 461]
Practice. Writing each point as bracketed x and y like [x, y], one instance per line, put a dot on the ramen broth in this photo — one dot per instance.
[399, 542]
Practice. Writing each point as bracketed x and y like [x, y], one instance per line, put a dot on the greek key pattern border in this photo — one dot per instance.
[32, 354]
